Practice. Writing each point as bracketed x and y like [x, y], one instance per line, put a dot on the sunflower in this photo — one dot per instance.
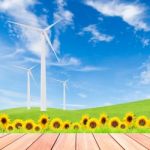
[84, 120]
[43, 121]
[4, 120]
[141, 122]
[10, 127]
[103, 119]
[18, 123]
[93, 123]
[114, 122]
[129, 118]
[66, 125]
[29, 125]
[56, 124]
[76, 126]
[37, 128]
[123, 125]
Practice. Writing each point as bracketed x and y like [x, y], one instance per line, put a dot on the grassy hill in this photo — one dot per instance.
[138, 107]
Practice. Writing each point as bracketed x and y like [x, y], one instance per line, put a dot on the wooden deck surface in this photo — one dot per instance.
[79, 141]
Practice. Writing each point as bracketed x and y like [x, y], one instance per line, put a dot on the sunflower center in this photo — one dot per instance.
[29, 126]
[123, 126]
[3, 120]
[66, 126]
[129, 118]
[103, 120]
[85, 121]
[142, 122]
[37, 128]
[76, 127]
[10, 128]
[18, 125]
[93, 124]
[44, 121]
[56, 125]
[114, 124]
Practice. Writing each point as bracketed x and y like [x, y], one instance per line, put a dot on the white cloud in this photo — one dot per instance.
[96, 35]
[132, 13]
[67, 20]
[145, 73]
[145, 42]
[19, 11]
[82, 95]
[89, 69]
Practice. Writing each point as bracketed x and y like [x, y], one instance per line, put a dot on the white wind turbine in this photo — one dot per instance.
[64, 83]
[29, 74]
[44, 37]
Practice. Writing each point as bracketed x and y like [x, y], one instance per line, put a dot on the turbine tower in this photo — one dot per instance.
[29, 74]
[64, 83]
[44, 37]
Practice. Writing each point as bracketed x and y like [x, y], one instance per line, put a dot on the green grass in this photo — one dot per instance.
[138, 107]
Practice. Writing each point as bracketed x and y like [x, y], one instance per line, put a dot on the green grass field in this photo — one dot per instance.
[138, 107]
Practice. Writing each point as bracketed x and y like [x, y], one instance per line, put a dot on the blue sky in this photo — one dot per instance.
[104, 47]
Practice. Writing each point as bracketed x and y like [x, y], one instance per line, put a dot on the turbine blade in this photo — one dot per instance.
[25, 26]
[33, 79]
[50, 44]
[19, 67]
[50, 26]
[33, 67]
[57, 80]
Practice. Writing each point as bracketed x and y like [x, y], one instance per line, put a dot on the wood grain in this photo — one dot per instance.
[106, 142]
[45, 142]
[127, 143]
[86, 142]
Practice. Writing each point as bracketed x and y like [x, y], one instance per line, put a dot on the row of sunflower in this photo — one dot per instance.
[130, 121]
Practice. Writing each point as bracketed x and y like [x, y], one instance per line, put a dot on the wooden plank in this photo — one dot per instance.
[86, 142]
[127, 143]
[45, 142]
[3, 134]
[65, 141]
[23, 143]
[140, 138]
[106, 142]
[6, 140]
[147, 134]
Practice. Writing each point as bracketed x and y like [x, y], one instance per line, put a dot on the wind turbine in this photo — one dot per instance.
[64, 83]
[44, 37]
[29, 74]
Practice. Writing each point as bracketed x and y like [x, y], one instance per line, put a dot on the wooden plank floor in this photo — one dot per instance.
[79, 141]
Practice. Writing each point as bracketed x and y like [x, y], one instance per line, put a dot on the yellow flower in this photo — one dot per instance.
[29, 125]
[93, 123]
[4, 120]
[142, 122]
[18, 123]
[103, 119]
[76, 126]
[129, 118]
[37, 128]
[56, 124]
[84, 120]
[66, 125]
[43, 121]
[10, 127]
[123, 125]
[114, 122]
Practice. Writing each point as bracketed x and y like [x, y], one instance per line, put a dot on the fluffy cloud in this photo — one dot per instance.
[132, 13]
[96, 35]
[145, 42]
[19, 11]
[67, 20]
